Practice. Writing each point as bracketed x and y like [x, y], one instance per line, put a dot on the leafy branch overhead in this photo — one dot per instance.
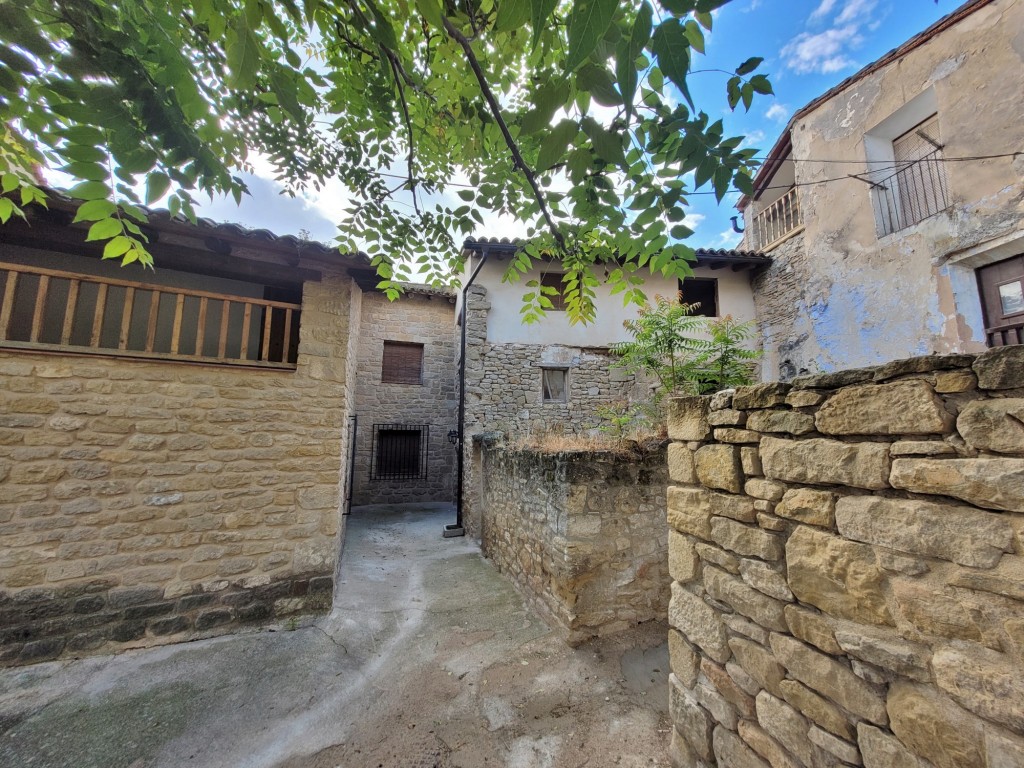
[574, 117]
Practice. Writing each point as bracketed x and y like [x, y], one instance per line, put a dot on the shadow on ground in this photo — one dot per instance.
[429, 658]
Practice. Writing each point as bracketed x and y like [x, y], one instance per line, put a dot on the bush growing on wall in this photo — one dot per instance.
[687, 354]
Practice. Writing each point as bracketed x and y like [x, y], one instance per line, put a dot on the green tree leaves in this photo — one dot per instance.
[562, 113]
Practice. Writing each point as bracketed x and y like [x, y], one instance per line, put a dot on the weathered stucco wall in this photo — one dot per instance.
[427, 319]
[865, 299]
[145, 502]
[848, 565]
[581, 533]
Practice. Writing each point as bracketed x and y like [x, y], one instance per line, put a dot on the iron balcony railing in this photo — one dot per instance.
[916, 191]
[52, 310]
[778, 221]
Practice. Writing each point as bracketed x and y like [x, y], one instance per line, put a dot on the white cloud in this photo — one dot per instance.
[824, 52]
[754, 5]
[823, 10]
[728, 239]
[693, 220]
[856, 11]
[752, 139]
[778, 112]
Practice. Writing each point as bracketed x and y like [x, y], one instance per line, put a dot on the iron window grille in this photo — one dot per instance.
[918, 189]
[399, 452]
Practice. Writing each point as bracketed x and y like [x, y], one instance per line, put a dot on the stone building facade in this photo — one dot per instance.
[424, 319]
[887, 265]
[150, 497]
[847, 562]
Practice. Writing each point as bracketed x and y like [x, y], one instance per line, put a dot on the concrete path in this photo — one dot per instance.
[429, 659]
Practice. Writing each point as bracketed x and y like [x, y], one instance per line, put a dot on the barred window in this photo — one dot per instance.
[400, 451]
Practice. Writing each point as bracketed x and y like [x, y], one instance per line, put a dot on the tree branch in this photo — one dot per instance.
[411, 163]
[510, 142]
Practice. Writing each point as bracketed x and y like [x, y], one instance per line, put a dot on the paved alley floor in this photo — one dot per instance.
[429, 658]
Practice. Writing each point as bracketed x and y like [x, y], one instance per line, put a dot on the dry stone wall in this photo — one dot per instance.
[581, 533]
[148, 502]
[847, 556]
[427, 319]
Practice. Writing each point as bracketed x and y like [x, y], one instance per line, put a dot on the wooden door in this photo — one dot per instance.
[1002, 298]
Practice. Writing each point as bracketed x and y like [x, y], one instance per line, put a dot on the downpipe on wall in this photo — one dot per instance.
[453, 530]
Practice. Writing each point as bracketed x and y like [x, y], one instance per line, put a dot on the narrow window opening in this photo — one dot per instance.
[553, 281]
[402, 363]
[702, 291]
[554, 382]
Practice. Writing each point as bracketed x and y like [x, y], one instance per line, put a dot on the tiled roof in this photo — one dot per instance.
[161, 219]
[708, 255]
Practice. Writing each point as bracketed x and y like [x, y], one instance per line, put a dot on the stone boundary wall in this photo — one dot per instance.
[581, 533]
[422, 319]
[151, 502]
[847, 556]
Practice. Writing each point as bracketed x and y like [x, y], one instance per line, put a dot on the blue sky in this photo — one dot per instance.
[808, 46]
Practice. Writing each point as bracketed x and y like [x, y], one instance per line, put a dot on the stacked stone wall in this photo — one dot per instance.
[427, 319]
[146, 502]
[847, 556]
[581, 533]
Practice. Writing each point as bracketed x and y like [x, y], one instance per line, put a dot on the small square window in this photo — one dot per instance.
[399, 451]
[402, 363]
[554, 280]
[554, 381]
[702, 291]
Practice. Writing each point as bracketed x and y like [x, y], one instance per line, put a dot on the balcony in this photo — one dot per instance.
[48, 310]
[779, 221]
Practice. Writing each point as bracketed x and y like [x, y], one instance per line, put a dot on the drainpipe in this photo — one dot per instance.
[451, 531]
[353, 429]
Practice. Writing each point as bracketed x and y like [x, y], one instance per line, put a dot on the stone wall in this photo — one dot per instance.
[504, 393]
[779, 292]
[423, 318]
[848, 563]
[147, 502]
[581, 533]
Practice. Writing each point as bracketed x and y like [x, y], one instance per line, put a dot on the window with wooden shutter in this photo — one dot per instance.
[402, 363]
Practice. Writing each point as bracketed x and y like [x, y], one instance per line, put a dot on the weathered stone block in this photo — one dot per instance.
[990, 483]
[699, 623]
[721, 400]
[733, 506]
[727, 687]
[689, 511]
[731, 751]
[683, 563]
[690, 719]
[688, 418]
[727, 418]
[711, 700]
[899, 408]
[1003, 749]
[935, 612]
[680, 464]
[760, 488]
[755, 605]
[758, 740]
[824, 674]
[993, 425]
[719, 557]
[750, 459]
[746, 540]
[935, 728]
[837, 576]
[759, 663]
[840, 749]
[983, 681]
[760, 396]
[1006, 579]
[787, 726]
[961, 534]
[817, 708]
[718, 466]
[826, 462]
[885, 649]
[921, 448]
[1000, 368]
[881, 750]
[683, 660]
[952, 382]
[738, 436]
[806, 505]
[765, 578]
[791, 422]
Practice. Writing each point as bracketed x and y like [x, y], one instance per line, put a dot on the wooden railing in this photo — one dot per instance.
[778, 220]
[53, 310]
[1005, 335]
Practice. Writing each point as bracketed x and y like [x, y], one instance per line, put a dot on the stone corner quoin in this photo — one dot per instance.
[847, 555]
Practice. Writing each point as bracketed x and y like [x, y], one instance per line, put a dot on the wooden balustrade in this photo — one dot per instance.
[778, 220]
[52, 310]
